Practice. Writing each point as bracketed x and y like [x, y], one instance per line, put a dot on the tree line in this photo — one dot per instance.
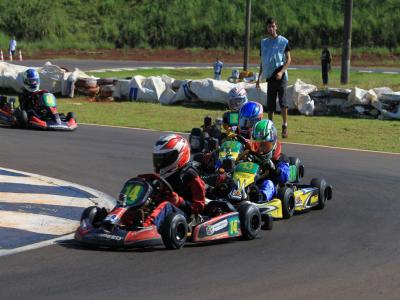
[194, 23]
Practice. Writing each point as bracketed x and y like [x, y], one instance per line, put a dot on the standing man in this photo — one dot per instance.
[12, 46]
[275, 59]
[218, 69]
[326, 59]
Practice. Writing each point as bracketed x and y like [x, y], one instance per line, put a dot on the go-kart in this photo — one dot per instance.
[207, 137]
[122, 227]
[291, 197]
[7, 111]
[224, 157]
[45, 115]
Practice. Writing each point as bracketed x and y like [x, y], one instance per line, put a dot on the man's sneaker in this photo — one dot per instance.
[284, 132]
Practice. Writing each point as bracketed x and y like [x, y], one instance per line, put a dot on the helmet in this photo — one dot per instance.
[236, 98]
[31, 80]
[249, 114]
[264, 138]
[170, 153]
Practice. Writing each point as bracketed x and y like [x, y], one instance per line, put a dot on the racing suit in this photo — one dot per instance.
[189, 197]
[278, 173]
[30, 101]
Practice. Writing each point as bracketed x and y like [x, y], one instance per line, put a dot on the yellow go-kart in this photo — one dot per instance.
[291, 197]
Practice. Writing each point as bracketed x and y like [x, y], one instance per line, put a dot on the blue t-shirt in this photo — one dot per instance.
[273, 55]
[218, 67]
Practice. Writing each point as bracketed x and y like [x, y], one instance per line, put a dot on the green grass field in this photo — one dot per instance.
[367, 134]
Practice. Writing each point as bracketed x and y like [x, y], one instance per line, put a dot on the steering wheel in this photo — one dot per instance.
[157, 182]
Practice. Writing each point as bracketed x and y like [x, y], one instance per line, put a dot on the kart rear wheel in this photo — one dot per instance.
[94, 214]
[295, 161]
[320, 183]
[196, 140]
[174, 231]
[250, 221]
[70, 116]
[286, 195]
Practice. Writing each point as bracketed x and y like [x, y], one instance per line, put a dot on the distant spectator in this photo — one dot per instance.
[326, 59]
[218, 69]
[12, 46]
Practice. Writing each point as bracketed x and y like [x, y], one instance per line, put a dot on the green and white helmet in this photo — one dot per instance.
[264, 138]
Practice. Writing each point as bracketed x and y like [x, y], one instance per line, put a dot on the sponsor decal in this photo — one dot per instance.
[237, 193]
[233, 226]
[112, 219]
[210, 229]
[109, 236]
[58, 126]
[298, 201]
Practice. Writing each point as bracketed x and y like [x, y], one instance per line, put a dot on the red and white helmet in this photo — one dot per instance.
[170, 153]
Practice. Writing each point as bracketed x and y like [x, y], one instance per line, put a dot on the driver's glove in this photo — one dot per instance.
[269, 164]
[174, 199]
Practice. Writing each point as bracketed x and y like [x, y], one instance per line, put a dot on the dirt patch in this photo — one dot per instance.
[202, 55]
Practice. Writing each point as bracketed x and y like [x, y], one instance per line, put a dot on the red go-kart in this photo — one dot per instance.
[122, 227]
[7, 111]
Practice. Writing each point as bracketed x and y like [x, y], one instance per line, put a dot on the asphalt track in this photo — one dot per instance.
[350, 250]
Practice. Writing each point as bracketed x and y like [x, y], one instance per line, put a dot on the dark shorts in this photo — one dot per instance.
[276, 88]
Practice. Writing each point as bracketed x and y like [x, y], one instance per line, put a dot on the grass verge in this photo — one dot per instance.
[367, 134]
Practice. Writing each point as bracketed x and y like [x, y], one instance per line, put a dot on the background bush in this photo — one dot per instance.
[57, 24]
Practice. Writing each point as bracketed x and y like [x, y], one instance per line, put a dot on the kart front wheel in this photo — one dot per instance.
[268, 222]
[286, 195]
[250, 221]
[174, 231]
[22, 118]
[94, 214]
[320, 183]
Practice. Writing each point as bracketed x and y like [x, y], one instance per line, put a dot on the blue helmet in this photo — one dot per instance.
[31, 80]
[249, 114]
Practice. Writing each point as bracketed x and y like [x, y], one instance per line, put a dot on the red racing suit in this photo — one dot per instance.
[189, 197]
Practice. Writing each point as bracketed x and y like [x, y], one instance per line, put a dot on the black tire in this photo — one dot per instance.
[295, 161]
[196, 140]
[250, 221]
[320, 183]
[174, 231]
[70, 116]
[106, 81]
[286, 195]
[94, 214]
[22, 118]
[268, 222]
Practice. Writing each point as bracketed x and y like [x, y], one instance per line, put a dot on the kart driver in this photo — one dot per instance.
[237, 97]
[29, 99]
[171, 155]
[275, 164]
[249, 114]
